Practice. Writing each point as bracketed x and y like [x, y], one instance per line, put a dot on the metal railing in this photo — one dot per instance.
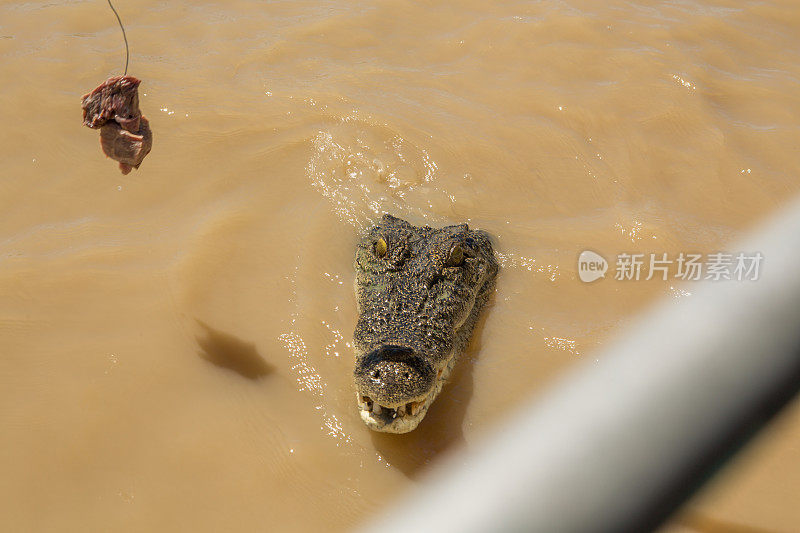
[619, 443]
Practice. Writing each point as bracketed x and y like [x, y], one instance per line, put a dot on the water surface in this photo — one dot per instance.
[176, 342]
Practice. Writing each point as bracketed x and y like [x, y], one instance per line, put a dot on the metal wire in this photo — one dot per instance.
[127, 53]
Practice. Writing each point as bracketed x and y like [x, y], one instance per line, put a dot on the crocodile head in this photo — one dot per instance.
[420, 291]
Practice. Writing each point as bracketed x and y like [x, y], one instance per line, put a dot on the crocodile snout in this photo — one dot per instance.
[394, 375]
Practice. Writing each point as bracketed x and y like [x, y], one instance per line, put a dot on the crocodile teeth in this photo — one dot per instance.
[366, 403]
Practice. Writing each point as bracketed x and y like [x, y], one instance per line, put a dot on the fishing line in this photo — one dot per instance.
[127, 54]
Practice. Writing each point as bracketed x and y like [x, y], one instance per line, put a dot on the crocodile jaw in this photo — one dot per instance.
[406, 417]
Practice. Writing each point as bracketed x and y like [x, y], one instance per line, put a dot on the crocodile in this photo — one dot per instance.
[420, 291]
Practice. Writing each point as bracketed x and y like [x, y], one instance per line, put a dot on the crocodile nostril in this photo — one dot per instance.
[391, 374]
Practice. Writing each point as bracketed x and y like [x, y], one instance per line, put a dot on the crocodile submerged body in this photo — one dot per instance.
[420, 291]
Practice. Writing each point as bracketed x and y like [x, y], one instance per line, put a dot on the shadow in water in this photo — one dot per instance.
[226, 351]
[442, 427]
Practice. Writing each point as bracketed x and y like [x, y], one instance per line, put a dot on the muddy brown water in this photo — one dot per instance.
[175, 343]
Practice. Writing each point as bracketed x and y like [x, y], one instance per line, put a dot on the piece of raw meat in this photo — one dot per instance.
[125, 134]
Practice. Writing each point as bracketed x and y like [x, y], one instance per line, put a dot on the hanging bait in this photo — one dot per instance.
[113, 107]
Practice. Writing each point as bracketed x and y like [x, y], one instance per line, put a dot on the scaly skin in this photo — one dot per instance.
[420, 291]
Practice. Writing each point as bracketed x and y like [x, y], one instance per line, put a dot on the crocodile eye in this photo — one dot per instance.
[380, 247]
[456, 256]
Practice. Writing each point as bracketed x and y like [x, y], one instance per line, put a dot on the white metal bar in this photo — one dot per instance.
[618, 442]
